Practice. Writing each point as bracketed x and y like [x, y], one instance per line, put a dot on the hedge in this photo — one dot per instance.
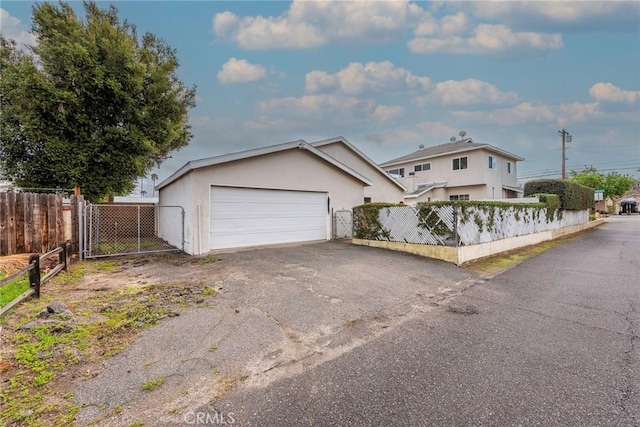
[551, 200]
[573, 196]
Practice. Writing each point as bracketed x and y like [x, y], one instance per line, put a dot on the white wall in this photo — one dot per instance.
[476, 175]
[178, 193]
[293, 169]
[382, 189]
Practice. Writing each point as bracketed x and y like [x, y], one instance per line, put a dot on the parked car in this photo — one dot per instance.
[628, 205]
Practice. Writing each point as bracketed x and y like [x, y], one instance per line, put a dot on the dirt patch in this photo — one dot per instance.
[12, 263]
[85, 316]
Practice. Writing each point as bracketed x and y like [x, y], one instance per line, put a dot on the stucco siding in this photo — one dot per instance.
[287, 170]
[177, 194]
[381, 190]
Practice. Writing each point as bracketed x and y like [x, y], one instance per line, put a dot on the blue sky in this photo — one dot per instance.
[391, 75]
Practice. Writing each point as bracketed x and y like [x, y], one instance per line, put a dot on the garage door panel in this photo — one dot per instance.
[249, 217]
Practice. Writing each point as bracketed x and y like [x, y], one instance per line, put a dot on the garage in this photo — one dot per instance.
[282, 193]
[242, 217]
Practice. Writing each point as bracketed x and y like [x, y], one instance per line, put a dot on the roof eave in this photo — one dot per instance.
[361, 154]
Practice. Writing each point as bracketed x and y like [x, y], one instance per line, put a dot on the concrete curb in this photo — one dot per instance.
[462, 254]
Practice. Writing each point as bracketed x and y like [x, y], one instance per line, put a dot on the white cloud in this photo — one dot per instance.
[488, 39]
[308, 24]
[527, 113]
[240, 71]
[437, 129]
[386, 113]
[449, 25]
[395, 136]
[466, 92]
[12, 28]
[558, 15]
[607, 92]
[318, 106]
[357, 78]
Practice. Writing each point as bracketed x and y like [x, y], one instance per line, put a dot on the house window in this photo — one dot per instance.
[459, 197]
[397, 172]
[508, 167]
[493, 162]
[367, 199]
[422, 167]
[460, 163]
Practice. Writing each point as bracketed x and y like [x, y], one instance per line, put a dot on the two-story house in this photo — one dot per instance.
[457, 170]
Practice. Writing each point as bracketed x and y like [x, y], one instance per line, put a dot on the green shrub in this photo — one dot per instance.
[551, 200]
[366, 221]
[573, 196]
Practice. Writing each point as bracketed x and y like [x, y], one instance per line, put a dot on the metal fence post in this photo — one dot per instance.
[138, 228]
[34, 274]
[182, 211]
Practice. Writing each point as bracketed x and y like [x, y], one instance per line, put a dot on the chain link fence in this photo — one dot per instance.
[127, 229]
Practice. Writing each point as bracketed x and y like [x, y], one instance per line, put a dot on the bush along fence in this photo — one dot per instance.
[460, 222]
[461, 231]
[35, 279]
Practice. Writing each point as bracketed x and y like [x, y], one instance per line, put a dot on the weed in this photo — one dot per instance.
[208, 291]
[153, 384]
[137, 424]
[213, 348]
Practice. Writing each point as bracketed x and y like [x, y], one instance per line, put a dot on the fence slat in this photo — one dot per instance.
[28, 222]
[74, 223]
[32, 222]
[11, 223]
[3, 225]
[51, 221]
[19, 219]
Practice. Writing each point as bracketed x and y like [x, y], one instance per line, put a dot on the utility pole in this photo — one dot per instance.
[566, 137]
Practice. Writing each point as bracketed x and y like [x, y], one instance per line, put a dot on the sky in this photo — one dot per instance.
[391, 75]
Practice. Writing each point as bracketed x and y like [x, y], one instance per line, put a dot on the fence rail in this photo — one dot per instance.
[34, 271]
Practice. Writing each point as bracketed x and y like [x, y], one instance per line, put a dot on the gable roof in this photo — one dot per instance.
[343, 141]
[241, 155]
[449, 148]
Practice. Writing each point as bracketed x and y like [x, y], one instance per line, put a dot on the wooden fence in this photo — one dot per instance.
[34, 270]
[31, 222]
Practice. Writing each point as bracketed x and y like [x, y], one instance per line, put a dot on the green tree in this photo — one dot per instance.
[614, 184]
[92, 104]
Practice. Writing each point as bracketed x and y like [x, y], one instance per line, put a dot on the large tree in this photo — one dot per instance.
[613, 184]
[91, 104]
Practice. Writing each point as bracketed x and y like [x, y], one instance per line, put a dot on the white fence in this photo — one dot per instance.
[454, 225]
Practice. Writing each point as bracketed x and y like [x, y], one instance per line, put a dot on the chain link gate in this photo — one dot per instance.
[342, 225]
[110, 230]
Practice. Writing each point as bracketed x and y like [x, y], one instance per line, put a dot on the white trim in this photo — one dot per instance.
[344, 141]
[232, 157]
[448, 153]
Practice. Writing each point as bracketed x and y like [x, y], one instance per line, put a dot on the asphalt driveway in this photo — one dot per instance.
[278, 312]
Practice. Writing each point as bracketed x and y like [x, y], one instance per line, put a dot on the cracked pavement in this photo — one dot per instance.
[278, 312]
[554, 342]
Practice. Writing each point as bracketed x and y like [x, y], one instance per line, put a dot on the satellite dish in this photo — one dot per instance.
[421, 146]
[462, 134]
[452, 139]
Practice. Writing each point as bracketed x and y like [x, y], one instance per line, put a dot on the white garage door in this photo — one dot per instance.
[251, 216]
